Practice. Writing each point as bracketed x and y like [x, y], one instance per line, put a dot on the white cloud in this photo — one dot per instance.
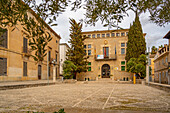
[154, 33]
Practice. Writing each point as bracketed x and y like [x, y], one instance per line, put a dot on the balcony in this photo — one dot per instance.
[105, 58]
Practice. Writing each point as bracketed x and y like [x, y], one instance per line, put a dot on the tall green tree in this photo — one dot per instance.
[76, 53]
[136, 44]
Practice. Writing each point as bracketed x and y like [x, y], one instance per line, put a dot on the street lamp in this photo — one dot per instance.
[54, 70]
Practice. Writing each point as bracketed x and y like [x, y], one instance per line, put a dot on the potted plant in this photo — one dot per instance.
[112, 77]
[99, 76]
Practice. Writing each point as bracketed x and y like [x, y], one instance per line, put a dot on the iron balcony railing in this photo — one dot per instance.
[110, 57]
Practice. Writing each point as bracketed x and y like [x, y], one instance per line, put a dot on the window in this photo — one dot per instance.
[162, 61]
[103, 35]
[122, 44]
[4, 38]
[106, 52]
[49, 55]
[149, 61]
[89, 68]
[162, 74]
[122, 34]
[108, 34]
[84, 35]
[117, 34]
[49, 70]
[85, 52]
[122, 50]
[39, 71]
[3, 66]
[113, 34]
[122, 62]
[89, 63]
[25, 43]
[89, 45]
[166, 60]
[89, 52]
[89, 36]
[98, 35]
[56, 56]
[24, 68]
[84, 46]
[122, 68]
[127, 33]
[167, 74]
[93, 35]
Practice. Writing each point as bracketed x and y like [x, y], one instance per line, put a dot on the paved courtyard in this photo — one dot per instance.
[86, 98]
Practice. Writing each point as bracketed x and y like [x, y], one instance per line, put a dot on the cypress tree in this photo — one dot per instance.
[136, 44]
[76, 53]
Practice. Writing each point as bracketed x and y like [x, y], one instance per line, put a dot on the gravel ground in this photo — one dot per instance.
[86, 98]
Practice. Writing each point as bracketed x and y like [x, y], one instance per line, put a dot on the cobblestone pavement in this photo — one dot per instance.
[86, 98]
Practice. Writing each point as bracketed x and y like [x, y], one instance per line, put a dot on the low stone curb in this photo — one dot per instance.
[164, 87]
[6, 87]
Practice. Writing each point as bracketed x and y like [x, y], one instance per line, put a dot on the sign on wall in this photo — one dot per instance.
[100, 56]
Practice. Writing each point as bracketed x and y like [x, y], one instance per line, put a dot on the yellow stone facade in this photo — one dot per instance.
[107, 57]
[15, 56]
[161, 60]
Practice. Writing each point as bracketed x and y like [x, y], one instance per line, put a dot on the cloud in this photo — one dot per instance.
[154, 33]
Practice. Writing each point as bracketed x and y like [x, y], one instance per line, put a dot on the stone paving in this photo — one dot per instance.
[86, 98]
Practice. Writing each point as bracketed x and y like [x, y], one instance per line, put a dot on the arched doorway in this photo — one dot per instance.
[105, 71]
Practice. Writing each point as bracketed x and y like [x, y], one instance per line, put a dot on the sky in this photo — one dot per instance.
[154, 33]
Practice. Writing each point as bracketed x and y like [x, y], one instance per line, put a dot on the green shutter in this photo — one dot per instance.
[122, 68]
[89, 63]
[122, 62]
[89, 69]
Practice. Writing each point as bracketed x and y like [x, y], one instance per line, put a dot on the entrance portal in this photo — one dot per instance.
[105, 71]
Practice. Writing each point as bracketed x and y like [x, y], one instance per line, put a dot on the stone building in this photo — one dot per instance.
[16, 62]
[63, 50]
[106, 50]
[151, 64]
[162, 63]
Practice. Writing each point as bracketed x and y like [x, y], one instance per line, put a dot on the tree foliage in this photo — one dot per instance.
[111, 12]
[137, 65]
[161, 46]
[153, 50]
[76, 53]
[15, 12]
[68, 68]
[136, 44]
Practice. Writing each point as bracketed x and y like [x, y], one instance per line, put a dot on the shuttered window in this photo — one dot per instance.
[3, 66]
[25, 41]
[56, 57]
[49, 55]
[49, 70]
[3, 37]
[122, 68]
[24, 68]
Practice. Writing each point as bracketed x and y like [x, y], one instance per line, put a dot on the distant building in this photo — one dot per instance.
[162, 63]
[63, 49]
[106, 50]
[151, 64]
[16, 62]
